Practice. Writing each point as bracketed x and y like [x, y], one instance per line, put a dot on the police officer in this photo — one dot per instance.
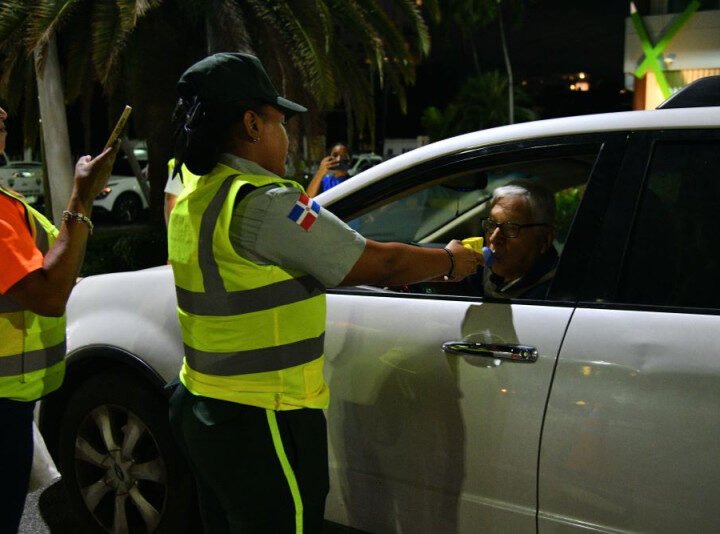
[174, 186]
[39, 268]
[252, 255]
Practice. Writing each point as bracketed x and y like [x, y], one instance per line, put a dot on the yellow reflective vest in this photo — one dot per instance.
[252, 334]
[32, 346]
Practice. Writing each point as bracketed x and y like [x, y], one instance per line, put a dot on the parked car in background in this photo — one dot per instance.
[124, 197]
[24, 177]
[361, 162]
[610, 424]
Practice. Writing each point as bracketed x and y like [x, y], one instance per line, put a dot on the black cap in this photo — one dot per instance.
[230, 78]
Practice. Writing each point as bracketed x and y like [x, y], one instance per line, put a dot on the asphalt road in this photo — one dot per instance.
[46, 511]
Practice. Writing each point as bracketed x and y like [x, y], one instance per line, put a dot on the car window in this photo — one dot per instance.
[453, 206]
[673, 257]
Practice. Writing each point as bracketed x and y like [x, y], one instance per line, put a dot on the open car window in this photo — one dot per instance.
[452, 206]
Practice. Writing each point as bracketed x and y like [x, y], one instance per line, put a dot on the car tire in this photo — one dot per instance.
[127, 208]
[121, 467]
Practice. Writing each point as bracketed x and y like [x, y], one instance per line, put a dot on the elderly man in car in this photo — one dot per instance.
[520, 232]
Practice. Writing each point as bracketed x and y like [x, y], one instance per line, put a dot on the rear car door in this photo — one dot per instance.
[423, 440]
[630, 441]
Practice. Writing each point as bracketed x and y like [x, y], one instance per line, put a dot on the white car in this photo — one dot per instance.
[124, 197]
[611, 423]
[362, 162]
[24, 177]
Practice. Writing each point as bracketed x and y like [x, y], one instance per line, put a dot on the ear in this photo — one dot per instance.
[548, 240]
[252, 124]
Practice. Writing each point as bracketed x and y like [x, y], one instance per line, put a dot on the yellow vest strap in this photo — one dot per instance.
[249, 300]
[34, 360]
[8, 305]
[255, 360]
[212, 281]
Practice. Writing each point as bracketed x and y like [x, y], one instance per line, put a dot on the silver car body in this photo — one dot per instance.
[614, 428]
[24, 177]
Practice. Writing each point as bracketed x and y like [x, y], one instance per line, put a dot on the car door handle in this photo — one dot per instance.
[515, 353]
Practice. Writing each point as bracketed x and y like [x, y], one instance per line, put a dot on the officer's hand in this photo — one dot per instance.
[466, 260]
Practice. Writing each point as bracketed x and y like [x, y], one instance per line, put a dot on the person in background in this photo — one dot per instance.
[252, 255]
[39, 268]
[520, 232]
[332, 171]
[174, 186]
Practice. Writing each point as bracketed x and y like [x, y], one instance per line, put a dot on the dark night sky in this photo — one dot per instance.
[550, 37]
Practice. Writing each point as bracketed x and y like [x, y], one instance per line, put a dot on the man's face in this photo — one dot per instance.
[515, 257]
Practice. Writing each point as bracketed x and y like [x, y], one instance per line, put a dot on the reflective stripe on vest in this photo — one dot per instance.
[249, 300]
[262, 296]
[254, 361]
[31, 361]
[30, 344]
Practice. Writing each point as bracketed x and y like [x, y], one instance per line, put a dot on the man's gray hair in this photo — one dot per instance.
[540, 200]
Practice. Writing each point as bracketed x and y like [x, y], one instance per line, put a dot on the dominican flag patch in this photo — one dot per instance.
[305, 212]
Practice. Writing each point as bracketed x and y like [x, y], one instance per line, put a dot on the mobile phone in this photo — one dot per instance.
[119, 127]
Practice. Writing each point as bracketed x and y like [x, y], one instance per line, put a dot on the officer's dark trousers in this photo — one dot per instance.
[16, 452]
[256, 470]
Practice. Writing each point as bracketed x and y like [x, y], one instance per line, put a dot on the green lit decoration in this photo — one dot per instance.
[653, 54]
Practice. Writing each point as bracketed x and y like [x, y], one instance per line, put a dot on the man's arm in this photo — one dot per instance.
[45, 291]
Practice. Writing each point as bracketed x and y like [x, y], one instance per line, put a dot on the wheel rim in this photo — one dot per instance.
[120, 471]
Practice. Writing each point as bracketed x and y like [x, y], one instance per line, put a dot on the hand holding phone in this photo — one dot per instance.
[119, 127]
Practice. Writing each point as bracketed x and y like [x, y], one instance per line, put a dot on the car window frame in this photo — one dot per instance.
[610, 147]
[616, 236]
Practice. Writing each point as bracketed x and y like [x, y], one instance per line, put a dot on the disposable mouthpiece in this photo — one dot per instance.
[488, 256]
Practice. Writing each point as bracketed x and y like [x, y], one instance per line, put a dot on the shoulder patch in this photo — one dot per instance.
[305, 212]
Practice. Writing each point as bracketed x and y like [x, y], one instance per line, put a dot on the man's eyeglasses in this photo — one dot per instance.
[509, 230]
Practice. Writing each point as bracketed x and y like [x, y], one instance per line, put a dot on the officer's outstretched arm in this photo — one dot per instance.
[393, 264]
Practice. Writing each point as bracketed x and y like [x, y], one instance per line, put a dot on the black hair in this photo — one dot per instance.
[201, 130]
[342, 143]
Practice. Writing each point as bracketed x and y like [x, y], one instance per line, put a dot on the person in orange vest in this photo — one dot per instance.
[39, 268]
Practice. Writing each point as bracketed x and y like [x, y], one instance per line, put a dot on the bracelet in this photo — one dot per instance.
[449, 275]
[79, 217]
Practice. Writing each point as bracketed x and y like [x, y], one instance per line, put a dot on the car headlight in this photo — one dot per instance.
[105, 192]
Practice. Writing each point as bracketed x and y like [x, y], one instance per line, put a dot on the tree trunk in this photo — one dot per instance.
[54, 130]
[508, 67]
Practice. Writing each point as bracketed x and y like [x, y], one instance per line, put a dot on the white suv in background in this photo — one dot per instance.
[362, 162]
[610, 420]
[124, 197]
[24, 177]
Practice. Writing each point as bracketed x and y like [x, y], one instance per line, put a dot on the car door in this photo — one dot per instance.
[424, 439]
[630, 441]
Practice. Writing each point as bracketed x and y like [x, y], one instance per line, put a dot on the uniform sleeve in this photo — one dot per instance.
[266, 228]
[19, 254]
[173, 185]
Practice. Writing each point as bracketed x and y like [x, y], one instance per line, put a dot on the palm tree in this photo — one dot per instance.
[323, 52]
[468, 15]
[479, 104]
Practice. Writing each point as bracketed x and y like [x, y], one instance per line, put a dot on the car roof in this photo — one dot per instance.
[688, 118]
